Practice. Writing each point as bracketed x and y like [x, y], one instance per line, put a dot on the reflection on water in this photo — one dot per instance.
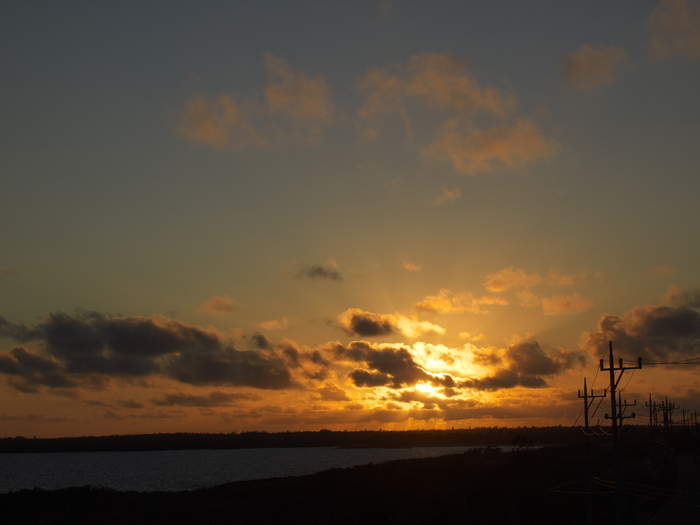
[174, 470]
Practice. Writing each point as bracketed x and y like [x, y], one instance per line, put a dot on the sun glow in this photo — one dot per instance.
[426, 388]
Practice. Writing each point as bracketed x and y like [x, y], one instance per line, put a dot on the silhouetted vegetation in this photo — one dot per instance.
[483, 436]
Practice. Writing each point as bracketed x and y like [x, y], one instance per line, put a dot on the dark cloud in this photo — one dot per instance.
[30, 372]
[94, 344]
[228, 366]
[357, 322]
[258, 340]
[650, 332]
[16, 331]
[428, 402]
[504, 379]
[522, 364]
[529, 358]
[319, 271]
[385, 366]
[369, 378]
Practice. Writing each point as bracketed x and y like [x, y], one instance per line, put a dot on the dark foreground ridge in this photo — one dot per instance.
[480, 486]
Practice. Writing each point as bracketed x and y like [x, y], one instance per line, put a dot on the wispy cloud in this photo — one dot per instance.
[675, 28]
[218, 305]
[446, 302]
[663, 270]
[591, 68]
[528, 298]
[411, 267]
[448, 195]
[295, 109]
[511, 277]
[275, 324]
[328, 271]
[443, 86]
[472, 151]
[565, 304]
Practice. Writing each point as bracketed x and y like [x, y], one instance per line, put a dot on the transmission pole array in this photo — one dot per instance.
[614, 382]
[587, 404]
[614, 403]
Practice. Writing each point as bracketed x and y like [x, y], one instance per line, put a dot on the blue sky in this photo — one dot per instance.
[489, 179]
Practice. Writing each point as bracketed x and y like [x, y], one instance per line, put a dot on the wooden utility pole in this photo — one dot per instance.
[653, 412]
[614, 382]
[589, 478]
[586, 403]
[621, 408]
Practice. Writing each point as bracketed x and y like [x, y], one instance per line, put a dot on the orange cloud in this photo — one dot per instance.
[511, 277]
[304, 99]
[219, 122]
[448, 195]
[444, 302]
[359, 322]
[565, 304]
[217, 305]
[446, 88]
[438, 80]
[411, 267]
[472, 150]
[528, 298]
[675, 26]
[275, 324]
[296, 107]
[589, 69]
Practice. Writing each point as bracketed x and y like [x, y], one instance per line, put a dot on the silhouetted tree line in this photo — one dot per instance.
[482, 436]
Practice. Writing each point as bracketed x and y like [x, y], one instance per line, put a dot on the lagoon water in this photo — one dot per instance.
[175, 470]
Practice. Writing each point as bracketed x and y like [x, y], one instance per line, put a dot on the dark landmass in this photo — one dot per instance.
[574, 482]
[481, 486]
[324, 438]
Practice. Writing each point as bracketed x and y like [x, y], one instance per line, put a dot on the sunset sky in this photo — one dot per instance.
[228, 216]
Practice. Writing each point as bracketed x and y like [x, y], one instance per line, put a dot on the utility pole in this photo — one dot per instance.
[614, 382]
[589, 478]
[622, 406]
[586, 404]
[654, 410]
[684, 420]
[668, 409]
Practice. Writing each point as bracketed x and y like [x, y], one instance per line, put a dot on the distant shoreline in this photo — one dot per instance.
[483, 436]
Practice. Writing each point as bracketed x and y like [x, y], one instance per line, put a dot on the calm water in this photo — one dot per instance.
[173, 470]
